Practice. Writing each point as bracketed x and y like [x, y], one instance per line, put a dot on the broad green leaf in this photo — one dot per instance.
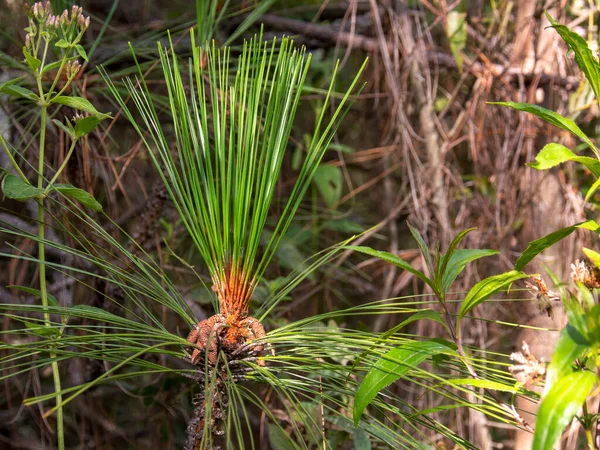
[18, 91]
[41, 329]
[423, 248]
[87, 124]
[573, 302]
[457, 35]
[593, 256]
[446, 258]
[62, 44]
[68, 129]
[485, 384]
[393, 259]
[571, 344]
[486, 288]
[554, 154]
[459, 260]
[31, 61]
[78, 103]
[539, 245]
[81, 51]
[390, 367]
[593, 188]
[14, 187]
[551, 117]
[559, 407]
[593, 323]
[328, 179]
[80, 195]
[52, 301]
[52, 66]
[584, 57]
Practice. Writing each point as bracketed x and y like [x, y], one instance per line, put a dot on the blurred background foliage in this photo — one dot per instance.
[420, 145]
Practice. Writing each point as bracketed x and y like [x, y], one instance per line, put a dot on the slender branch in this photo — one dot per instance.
[62, 65]
[42, 267]
[12, 159]
[62, 166]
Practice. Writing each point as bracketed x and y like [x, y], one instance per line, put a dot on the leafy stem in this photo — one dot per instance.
[42, 266]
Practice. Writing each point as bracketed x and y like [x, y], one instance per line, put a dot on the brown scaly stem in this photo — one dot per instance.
[233, 338]
[229, 333]
[461, 351]
[214, 410]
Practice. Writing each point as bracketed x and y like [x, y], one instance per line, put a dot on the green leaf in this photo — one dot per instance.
[80, 195]
[584, 57]
[593, 188]
[18, 91]
[78, 103]
[68, 129]
[62, 44]
[593, 256]
[459, 260]
[17, 189]
[559, 406]
[52, 301]
[81, 52]
[41, 330]
[423, 248]
[457, 35]
[393, 259]
[32, 61]
[539, 245]
[87, 124]
[553, 154]
[487, 287]
[390, 367]
[485, 384]
[552, 118]
[328, 179]
[52, 66]
[446, 258]
[571, 344]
